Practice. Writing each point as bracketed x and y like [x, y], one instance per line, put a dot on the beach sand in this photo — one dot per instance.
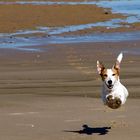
[21, 17]
[67, 69]
[33, 117]
[51, 94]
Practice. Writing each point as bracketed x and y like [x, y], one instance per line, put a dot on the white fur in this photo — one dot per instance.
[119, 58]
[117, 90]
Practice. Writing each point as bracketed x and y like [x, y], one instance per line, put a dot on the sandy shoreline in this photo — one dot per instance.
[41, 117]
[13, 20]
[67, 69]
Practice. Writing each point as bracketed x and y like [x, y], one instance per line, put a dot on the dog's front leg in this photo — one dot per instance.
[113, 102]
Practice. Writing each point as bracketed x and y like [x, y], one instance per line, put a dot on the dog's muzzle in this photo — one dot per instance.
[109, 84]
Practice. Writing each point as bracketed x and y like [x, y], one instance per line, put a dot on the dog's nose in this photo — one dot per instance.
[110, 82]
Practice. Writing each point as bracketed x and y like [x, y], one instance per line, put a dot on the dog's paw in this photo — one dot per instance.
[113, 103]
[109, 98]
[118, 101]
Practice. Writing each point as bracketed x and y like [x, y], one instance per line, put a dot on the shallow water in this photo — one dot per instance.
[28, 44]
[125, 7]
[113, 23]
[130, 8]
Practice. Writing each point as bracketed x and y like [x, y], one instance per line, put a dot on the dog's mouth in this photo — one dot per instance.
[110, 86]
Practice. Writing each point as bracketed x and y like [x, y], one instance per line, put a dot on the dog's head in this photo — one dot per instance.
[110, 76]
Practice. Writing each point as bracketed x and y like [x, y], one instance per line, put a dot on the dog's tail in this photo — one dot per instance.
[119, 58]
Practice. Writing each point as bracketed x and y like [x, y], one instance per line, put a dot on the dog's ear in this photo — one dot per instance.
[100, 67]
[118, 61]
[119, 58]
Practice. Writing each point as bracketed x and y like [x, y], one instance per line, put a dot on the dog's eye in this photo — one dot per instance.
[105, 75]
[113, 74]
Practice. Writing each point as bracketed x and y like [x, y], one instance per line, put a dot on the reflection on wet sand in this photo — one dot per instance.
[56, 35]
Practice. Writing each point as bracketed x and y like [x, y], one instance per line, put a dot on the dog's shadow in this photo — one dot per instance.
[90, 130]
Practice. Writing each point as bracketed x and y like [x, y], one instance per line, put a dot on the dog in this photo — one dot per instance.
[114, 94]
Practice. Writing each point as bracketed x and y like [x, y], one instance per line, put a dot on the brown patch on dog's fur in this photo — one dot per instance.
[103, 74]
[116, 72]
[117, 67]
[102, 70]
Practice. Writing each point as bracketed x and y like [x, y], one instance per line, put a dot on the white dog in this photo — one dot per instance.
[114, 94]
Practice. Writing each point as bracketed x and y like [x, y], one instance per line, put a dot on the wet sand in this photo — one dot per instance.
[26, 17]
[67, 69]
[12, 17]
[51, 94]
